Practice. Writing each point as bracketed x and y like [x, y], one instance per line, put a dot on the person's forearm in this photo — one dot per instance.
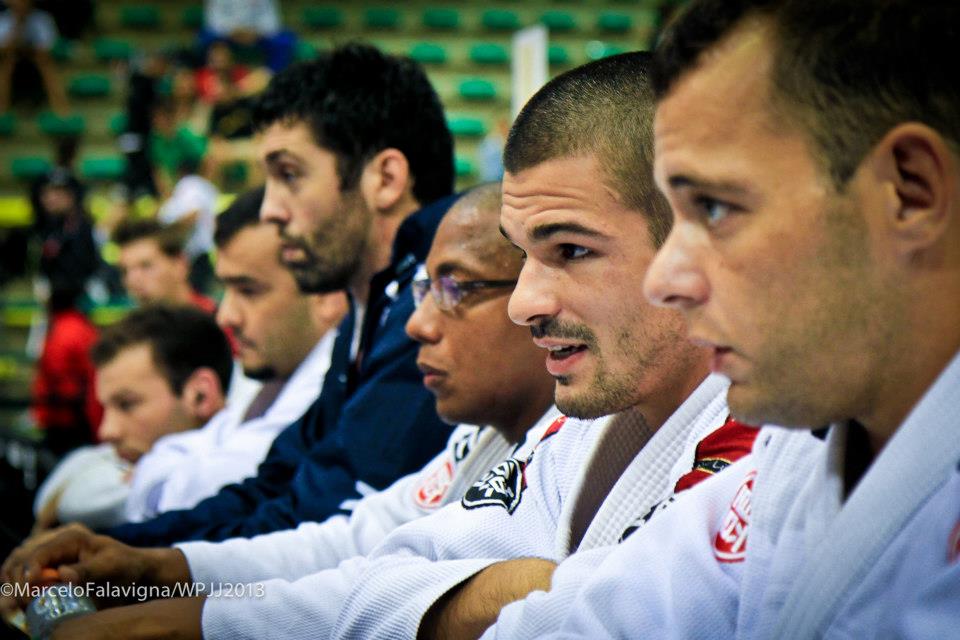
[470, 608]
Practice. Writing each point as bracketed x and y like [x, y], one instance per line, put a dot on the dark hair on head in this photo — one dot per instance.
[359, 101]
[243, 212]
[170, 239]
[845, 71]
[182, 339]
[603, 108]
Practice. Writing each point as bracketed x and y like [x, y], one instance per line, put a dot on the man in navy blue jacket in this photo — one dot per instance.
[353, 144]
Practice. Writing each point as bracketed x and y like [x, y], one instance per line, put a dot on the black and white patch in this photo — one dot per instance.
[502, 486]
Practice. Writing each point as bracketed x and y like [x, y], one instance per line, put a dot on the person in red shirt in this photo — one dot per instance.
[64, 401]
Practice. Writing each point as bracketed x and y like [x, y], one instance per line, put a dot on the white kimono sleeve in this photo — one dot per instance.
[664, 581]
[315, 546]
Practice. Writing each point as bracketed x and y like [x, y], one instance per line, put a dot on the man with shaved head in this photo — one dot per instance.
[460, 318]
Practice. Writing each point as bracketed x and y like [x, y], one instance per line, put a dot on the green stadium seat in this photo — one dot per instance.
[596, 49]
[29, 167]
[478, 89]
[558, 21]
[557, 54]
[192, 17]
[381, 18]
[464, 167]
[467, 127]
[54, 125]
[140, 17]
[489, 54]
[7, 124]
[500, 20]
[441, 19]
[118, 123]
[428, 53]
[611, 22]
[322, 17]
[305, 51]
[107, 49]
[62, 50]
[89, 85]
[103, 168]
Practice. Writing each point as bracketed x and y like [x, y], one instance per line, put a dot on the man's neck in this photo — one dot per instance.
[383, 233]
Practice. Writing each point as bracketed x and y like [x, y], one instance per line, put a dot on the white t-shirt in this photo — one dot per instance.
[193, 194]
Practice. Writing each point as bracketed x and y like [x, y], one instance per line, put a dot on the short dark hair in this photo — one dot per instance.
[603, 108]
[182, 339]
[243, 212]
[846, 71]
[170, 239]
[359, 101]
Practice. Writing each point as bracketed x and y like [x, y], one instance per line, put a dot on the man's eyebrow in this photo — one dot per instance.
[681, 181]
[453, 266]
[278, 155]
[237, 281]
[543, 232]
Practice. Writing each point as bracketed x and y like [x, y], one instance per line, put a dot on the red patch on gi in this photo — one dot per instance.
[953, 544]
[435, 486]
[717, 451]
[730, 545]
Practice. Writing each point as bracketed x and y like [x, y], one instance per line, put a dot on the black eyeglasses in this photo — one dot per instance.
[447, 292]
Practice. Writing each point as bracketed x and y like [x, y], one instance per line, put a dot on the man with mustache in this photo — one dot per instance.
[579, 201]
[810, 153]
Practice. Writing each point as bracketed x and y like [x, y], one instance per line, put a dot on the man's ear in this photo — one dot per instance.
[386, 180]
[918, 171]
[202, 394]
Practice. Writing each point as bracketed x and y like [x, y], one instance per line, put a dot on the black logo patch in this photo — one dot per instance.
[501, 486]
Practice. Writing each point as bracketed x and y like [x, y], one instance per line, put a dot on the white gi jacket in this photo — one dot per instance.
[184, 468]
[529, 515]
[312, 547]
[789, 558]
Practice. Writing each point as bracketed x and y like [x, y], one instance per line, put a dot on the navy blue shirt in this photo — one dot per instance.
[371, 424]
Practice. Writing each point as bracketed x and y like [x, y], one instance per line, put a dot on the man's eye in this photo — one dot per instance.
[573, 251]
[713, 211]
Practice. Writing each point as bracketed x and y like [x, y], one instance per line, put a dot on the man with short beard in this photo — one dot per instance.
[579, 201]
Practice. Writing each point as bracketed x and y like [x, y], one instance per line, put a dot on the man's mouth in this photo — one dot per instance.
[564, 352]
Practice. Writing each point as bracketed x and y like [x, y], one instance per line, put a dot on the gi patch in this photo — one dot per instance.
[502, 486]
[463, 446]
[434, 487]
[730, 545]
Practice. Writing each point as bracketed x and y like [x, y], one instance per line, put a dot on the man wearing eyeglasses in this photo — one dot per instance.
[460, 317]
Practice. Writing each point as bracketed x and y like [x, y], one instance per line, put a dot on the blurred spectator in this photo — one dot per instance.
[28, 33]
[68, 253]
[172, 143]
[154, 266]
[249, 23]
[146, 73]
[192, 206]
[64, 402]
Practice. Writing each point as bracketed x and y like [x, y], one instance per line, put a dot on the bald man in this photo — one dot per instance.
[461, 295]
